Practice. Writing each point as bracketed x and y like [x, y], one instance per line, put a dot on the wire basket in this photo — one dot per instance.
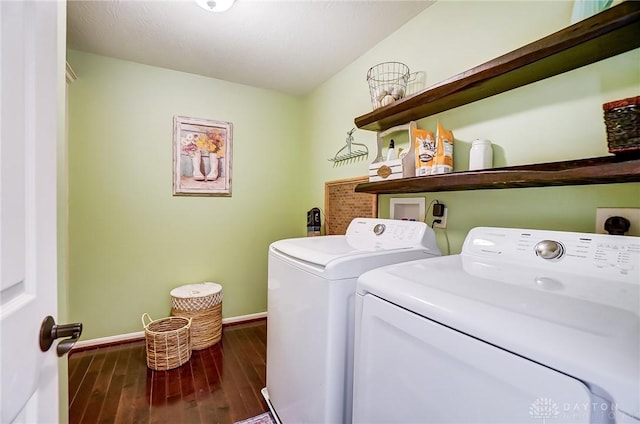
[387, 83]
[168, 342]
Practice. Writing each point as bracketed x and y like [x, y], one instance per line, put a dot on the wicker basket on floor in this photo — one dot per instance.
[168, 341]
[203, 304]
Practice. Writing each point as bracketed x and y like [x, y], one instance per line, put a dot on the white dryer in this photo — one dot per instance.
[524, 326]
[311, 291]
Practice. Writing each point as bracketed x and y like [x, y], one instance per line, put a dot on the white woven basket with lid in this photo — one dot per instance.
[202, 303]
[195, 297]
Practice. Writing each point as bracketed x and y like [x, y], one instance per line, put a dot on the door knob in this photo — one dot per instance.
[49, 331]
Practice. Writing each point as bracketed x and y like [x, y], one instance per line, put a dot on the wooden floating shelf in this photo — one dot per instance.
[606, 34]
[604, 170]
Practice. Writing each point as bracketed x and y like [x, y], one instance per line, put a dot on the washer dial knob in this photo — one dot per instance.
[379, 229]
[549, 249]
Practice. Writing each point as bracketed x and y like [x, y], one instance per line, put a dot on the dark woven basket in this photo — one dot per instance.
[622, 119]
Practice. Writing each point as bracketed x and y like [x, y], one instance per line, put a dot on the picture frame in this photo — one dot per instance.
[197, 145]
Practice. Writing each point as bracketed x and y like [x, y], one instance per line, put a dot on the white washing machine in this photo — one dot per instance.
[524, 326]
[311, 290]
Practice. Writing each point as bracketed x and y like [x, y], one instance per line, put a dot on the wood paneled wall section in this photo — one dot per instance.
[342, 204]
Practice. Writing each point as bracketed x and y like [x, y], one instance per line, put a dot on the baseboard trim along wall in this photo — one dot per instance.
[139, 335]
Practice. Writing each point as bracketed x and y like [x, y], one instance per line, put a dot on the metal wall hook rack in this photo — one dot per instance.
[350, 153]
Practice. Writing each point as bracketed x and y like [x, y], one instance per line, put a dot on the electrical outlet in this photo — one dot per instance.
[632, 214]
[443, 219]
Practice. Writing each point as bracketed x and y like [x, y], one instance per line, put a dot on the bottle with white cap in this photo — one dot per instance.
[391, 153]
[481, 155]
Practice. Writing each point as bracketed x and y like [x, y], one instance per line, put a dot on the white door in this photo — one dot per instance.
[29, 91]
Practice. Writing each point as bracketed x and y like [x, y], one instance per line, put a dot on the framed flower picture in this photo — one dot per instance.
[201, 157]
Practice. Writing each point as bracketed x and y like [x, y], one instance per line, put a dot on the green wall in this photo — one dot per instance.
[556, 119]
[130, 240]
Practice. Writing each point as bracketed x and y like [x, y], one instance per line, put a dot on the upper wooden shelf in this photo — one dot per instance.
[604, 170]
[609, 33]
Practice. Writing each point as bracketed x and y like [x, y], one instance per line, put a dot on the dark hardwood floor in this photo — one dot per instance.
[220, 384]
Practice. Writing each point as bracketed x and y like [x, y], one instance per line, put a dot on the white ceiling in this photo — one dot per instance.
[290, 46]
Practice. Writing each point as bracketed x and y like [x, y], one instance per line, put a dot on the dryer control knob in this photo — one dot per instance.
[549, 249]
[379, 229]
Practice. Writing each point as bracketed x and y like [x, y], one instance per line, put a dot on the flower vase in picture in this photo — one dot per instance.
[212, 142]
[196, 161]
[214, 164]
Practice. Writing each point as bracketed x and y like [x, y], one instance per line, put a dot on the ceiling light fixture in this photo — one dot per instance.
[215, 5]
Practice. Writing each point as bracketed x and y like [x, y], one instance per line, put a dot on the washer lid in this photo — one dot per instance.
[317, 250]
[586, 327]
[333, 259]
[369, 243]
[364, 236]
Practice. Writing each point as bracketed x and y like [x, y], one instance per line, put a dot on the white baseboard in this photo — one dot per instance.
[120, 338]
[109, 340]
[241, 318]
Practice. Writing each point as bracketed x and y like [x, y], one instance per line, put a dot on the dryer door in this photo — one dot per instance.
[409, 369]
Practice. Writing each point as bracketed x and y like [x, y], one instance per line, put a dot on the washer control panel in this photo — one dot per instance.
[580, 253]
[375, 233]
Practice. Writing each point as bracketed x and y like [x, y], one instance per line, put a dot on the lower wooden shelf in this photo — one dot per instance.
[602, 170]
